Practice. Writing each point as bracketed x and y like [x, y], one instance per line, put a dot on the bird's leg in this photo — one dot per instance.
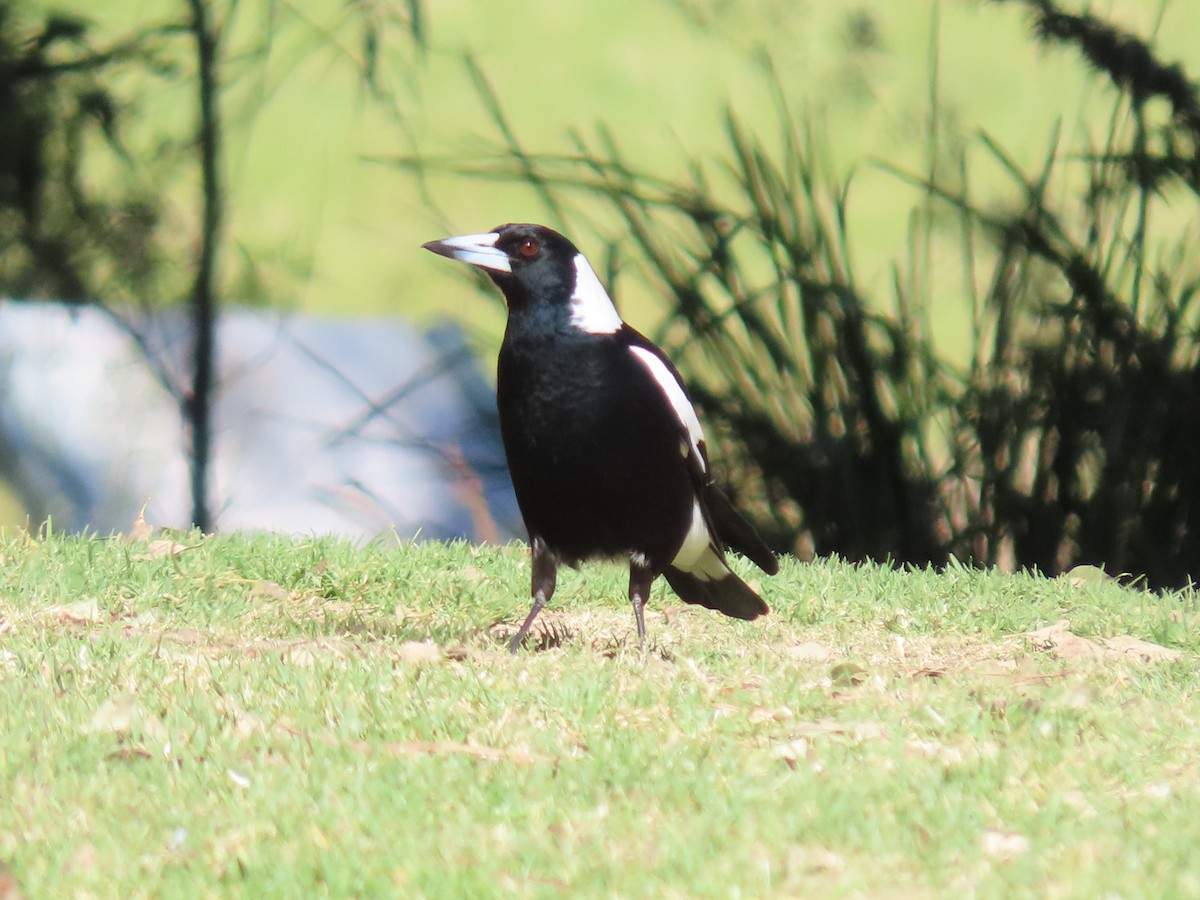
[545, 575]
[640, 578]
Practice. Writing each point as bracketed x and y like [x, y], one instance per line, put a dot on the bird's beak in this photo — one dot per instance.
[475, 249]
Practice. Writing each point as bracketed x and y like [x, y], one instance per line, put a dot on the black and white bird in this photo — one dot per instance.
[605, 449]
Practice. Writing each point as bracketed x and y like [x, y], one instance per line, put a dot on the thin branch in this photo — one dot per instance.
[198, 403]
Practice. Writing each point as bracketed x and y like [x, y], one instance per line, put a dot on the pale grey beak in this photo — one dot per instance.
[474, 249]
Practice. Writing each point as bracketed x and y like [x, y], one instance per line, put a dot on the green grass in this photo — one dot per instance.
[251, 717]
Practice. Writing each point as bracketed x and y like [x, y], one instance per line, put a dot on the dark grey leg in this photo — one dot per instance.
[545, 575]
[641, 576]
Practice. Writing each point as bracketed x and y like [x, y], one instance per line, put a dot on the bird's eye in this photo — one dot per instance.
[529, 248]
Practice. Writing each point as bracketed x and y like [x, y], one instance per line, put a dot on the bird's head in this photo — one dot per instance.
[538, 270]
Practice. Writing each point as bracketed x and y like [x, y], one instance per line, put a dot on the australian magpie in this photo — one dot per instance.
[605, 449]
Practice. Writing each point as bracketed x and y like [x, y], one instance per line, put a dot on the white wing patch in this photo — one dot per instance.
[696, 556]
[592, 309]
[676, 397]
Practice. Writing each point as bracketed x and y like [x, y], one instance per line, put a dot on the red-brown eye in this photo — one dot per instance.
[529, 248]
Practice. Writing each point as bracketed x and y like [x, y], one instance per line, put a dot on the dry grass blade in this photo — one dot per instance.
[552, 635]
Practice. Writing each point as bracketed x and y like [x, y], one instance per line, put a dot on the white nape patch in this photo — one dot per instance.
[639, 559]
[697, 556]
[478, 250]
[684, 411]
[592, 309]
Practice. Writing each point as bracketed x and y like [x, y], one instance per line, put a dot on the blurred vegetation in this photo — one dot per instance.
[61, 236]
[1020, 390]
[90, 203]
[100, 183]
[1062, 436]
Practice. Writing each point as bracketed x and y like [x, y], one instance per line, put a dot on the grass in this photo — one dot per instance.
[273, 717]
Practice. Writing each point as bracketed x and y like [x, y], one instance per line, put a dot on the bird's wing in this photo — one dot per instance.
[725, 525]
[667, 377]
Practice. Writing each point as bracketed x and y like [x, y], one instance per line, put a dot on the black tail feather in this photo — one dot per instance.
[738, 534]
[729, 594]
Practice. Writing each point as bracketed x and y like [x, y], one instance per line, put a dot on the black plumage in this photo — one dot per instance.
[606, 453]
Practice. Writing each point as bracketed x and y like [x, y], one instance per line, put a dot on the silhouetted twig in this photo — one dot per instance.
[198, 402]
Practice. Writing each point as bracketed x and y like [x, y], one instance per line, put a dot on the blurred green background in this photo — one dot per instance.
[320, 221]
[301, 129]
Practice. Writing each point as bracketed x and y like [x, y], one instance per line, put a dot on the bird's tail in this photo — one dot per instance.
[712, 584]
[735, 532]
